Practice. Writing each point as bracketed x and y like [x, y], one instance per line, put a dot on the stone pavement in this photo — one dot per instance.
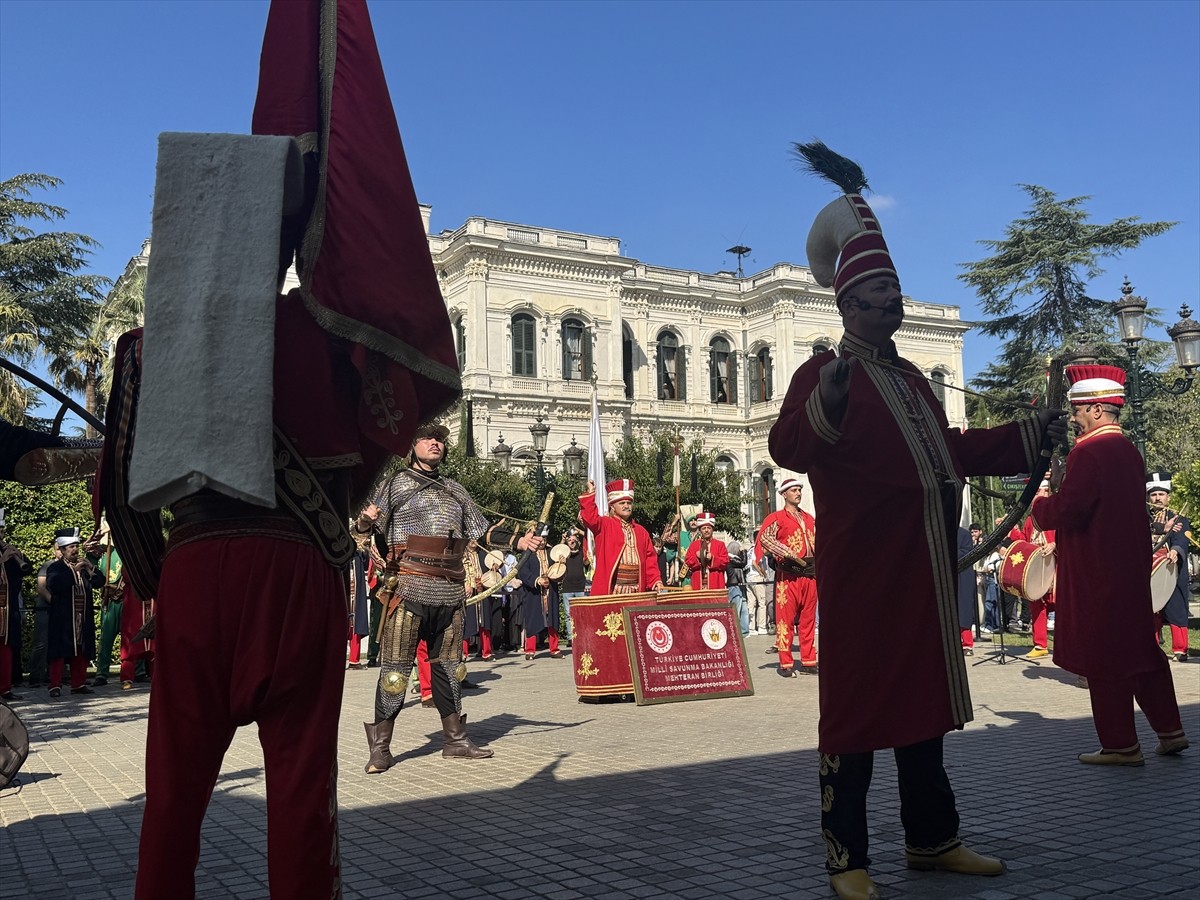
[709, 799]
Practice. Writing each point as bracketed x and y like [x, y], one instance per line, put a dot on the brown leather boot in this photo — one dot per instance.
[379, 739]
[457, 744]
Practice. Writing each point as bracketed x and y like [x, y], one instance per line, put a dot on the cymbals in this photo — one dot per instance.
[494, 559]
[559, 553]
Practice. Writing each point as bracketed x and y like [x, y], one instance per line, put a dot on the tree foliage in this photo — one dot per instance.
[46, 305]
[1034, 287]
[514, 493]
[1173, 435]
[33, 514]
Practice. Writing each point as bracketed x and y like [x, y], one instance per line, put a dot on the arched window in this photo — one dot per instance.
[577, 351]
[672, 372]
[627, 362]
[937, 381]
[460, 342]
[725, 464]
[722, 372]
[821, 347]
[764, 496]
[760, 376]
[524, 346]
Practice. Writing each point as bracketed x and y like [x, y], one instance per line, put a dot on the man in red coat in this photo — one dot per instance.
[625, 559]
[361, 353]
[1106, 628]
[1040, 609]
[874, 440]
[790, 535]
[707, 557]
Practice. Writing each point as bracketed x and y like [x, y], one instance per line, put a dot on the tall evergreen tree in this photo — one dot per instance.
[46, 305]
[1034, 287]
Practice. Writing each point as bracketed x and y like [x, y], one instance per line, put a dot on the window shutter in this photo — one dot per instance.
[681, 373]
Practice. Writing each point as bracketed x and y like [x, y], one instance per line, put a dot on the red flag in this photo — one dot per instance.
[365, 271]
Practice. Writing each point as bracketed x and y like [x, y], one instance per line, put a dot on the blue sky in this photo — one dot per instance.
[668, 124]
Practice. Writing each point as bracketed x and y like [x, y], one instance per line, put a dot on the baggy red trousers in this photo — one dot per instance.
[792, 594]
[1112, 706]
[249, 629]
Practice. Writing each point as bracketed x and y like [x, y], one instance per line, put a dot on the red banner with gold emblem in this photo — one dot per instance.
[686, 652]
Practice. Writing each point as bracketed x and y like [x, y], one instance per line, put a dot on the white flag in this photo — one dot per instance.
[596, 460]
[675, 469]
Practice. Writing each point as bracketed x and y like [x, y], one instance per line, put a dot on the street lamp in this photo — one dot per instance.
[1185, 335]
[539, 432]
[502, 453]
[573, 459]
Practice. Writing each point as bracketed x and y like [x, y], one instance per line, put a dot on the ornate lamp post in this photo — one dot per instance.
[1185, 335]
[539, 432]
[502, 454]
[573, 459]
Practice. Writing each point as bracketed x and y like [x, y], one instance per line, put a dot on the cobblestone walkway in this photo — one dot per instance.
[711, 799]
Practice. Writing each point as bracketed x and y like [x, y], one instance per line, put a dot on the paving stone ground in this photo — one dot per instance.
[709, 799]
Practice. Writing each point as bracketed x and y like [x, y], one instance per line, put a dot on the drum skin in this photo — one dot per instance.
[1162, 578]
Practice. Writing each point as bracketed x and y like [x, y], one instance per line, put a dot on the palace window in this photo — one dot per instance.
[627, 362]
[672, 371]
[460, 342]
[937, 381]
[577, 351]
[722, 372]
[524, 346]
[764, 497]
[821, 347]
[760, 376]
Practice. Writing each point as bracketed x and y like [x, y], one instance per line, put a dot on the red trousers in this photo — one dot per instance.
[968, 637]
[792, 595]
[485, 643]
[355, 648]
[249, 629]
[1179, 635]
[1039, 613]
[79, 666]
[531, 642]
[1112, 706]
[424, 676]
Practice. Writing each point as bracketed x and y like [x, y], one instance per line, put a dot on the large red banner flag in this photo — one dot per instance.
[366, 275]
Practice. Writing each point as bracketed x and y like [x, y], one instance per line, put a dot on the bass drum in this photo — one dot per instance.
[1027, 571]
[1163, 574]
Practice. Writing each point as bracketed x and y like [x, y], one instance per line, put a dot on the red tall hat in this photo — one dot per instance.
[1096, 384]
[845, 244]
[366, 275]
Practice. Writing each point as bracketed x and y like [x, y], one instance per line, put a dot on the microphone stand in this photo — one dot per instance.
[1002, 654]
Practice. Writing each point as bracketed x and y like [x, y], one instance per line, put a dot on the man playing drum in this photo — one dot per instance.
[1171, 529]
[1040, 605]
[1104, 632]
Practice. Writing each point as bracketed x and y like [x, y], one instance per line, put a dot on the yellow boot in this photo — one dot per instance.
[854, 885]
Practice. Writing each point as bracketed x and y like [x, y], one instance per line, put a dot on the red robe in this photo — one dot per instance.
[893, 464]
[797, 535]
[716, 569]
[1103, 592]
[610, 541]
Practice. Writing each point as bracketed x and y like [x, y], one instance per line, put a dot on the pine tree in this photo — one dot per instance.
[1034, 287]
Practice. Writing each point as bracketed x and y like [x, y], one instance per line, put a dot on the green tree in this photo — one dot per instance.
[720, 492]
[46, 304]
[1173, 433]
[1034, 287]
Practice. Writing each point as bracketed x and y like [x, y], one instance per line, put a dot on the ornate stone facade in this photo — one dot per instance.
[538, 312]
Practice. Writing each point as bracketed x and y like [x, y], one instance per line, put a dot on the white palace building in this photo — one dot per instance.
[540, 313]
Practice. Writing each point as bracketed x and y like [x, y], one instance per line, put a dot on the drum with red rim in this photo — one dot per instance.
[1163, 574]
[1027, 571]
